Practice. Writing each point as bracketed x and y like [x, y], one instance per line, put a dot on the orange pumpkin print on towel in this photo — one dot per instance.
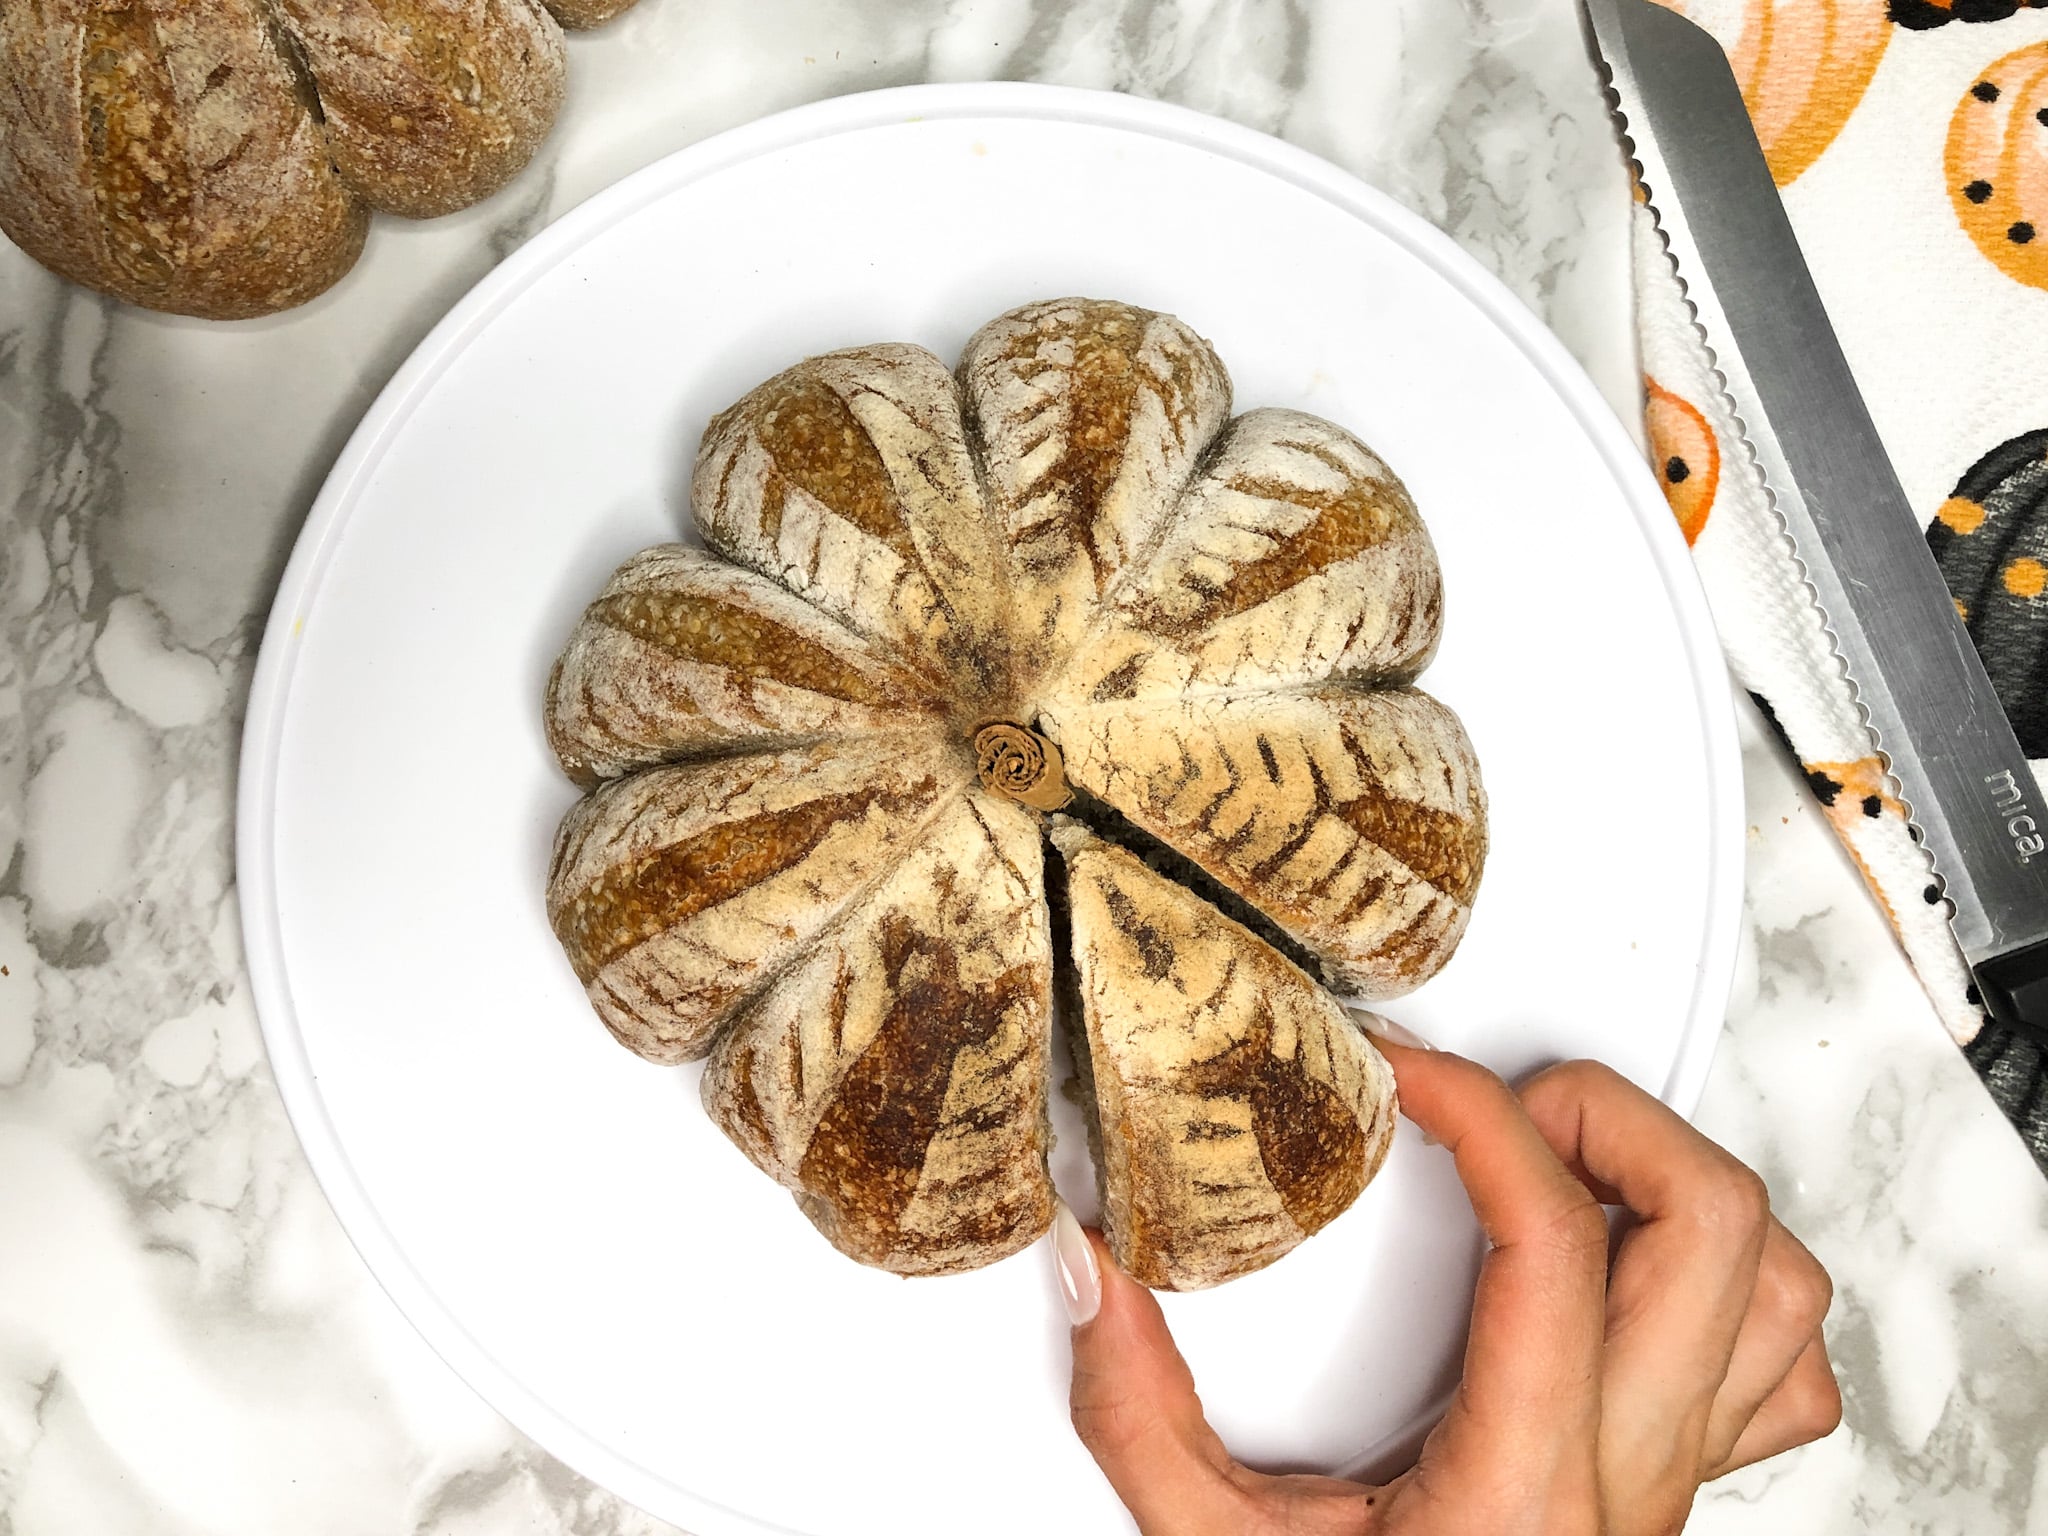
[1803, 66]
[1684, 454]
[1998, 164]
[1851, 794]
[1991, 541]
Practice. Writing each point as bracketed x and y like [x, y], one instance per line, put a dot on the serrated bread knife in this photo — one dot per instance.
[1961, 772]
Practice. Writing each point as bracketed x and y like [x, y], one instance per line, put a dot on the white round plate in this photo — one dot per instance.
[560, 1219]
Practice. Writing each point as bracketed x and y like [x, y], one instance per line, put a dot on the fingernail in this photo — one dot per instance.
[1388, 1030]
[1073, 1265]
[1395, 1034]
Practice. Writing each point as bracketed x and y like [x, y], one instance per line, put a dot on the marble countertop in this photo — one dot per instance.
[187, 1342]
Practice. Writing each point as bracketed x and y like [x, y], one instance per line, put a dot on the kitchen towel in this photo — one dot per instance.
[1910, 141]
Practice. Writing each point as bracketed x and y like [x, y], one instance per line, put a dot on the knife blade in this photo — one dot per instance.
[1962, 774]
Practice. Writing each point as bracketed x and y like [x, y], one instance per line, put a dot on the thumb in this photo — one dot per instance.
[1133, 1399]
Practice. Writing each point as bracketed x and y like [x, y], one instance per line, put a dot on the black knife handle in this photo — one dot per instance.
[2015, 988]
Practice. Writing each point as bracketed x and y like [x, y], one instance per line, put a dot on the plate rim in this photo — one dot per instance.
[341, 493]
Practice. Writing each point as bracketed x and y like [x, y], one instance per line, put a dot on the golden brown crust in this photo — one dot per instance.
[678, 890]
[895, 1078]
[1295, 556]
[1090, 416]
[1239, 1109]
[1211, 628]
[431, 105]
[215, 157]
[163, 152]
[683, 655]
[1355, 821]
[847, 479]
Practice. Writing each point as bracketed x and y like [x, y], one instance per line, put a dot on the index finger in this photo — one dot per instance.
[1530, 1394]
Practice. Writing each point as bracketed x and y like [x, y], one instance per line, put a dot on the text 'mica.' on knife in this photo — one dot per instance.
[1960, 769]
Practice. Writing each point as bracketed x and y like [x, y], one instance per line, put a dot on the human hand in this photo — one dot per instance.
[1596, 1396]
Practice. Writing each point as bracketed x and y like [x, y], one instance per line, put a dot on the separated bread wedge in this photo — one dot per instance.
[895, 1078]
[1239, 1109]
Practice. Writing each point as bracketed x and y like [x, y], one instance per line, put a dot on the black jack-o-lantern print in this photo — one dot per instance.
[1991, 541]
[1925, 15]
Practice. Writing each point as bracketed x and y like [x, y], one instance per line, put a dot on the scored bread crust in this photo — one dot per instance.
[896, 1078]
[1091, 415]
[792, 862]
[1354, 821]
[1294, 557]
[164, 153]
[676, 891]
[683, 655]
[848, 479]
[1238, 1108]
[430, 105]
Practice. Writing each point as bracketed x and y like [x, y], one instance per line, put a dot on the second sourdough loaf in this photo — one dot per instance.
[220, 159]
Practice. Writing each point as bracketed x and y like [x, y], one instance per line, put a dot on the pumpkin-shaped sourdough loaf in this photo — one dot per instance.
[220, 157]
[1053, 669]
